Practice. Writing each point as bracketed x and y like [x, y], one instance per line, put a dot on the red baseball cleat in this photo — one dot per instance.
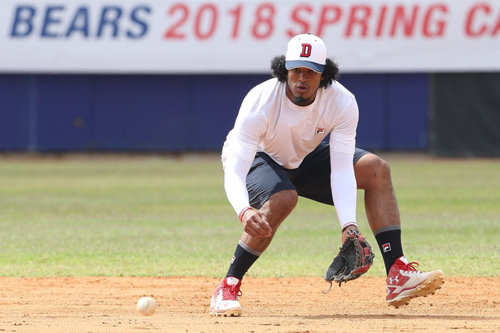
[225, 298]
[405, 282]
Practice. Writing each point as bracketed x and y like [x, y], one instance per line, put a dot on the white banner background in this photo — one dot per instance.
[198, 36]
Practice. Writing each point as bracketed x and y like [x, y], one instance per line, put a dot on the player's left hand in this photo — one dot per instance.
[353, 260]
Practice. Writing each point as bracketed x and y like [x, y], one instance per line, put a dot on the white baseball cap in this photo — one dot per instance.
[306, 50]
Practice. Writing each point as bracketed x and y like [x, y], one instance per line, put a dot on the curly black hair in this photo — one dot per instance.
[330, 73]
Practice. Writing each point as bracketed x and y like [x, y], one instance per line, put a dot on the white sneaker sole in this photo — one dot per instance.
[434, 282]
[227, 313]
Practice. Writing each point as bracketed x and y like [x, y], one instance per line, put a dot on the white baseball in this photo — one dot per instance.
[146, 306]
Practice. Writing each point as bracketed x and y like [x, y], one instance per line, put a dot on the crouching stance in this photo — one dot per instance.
[277, 152]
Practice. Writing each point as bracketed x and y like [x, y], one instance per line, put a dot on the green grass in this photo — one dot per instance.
[166, 216]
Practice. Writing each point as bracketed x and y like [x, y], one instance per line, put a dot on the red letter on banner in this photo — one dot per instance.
[440, 23]
[468, 25]
[408, 23]
[325, 19]
[296, 18]
[359, 16]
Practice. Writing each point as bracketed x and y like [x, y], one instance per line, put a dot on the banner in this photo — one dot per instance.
[203, 36]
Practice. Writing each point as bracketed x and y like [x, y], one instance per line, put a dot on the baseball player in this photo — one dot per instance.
[278, 151]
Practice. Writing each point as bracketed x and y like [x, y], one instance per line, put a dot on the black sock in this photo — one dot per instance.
[242, 261]
[389, 242]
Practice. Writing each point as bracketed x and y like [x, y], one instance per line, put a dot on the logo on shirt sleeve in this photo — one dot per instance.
[320, 130]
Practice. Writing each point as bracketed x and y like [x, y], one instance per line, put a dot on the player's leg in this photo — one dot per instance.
[274, 195]
[373, 175]
[404, 281]
[275, 209]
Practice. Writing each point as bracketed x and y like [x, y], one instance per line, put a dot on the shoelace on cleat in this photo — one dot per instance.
[411, 266]
[230, 292]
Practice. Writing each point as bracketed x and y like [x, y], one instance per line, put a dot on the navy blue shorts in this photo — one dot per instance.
[311, 179]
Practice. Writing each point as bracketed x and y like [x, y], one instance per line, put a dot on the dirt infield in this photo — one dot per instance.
[102, 304]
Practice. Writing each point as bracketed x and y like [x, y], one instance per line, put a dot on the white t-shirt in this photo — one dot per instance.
[269, 122]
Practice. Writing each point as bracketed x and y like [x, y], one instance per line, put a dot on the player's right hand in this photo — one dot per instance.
[255, 224]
